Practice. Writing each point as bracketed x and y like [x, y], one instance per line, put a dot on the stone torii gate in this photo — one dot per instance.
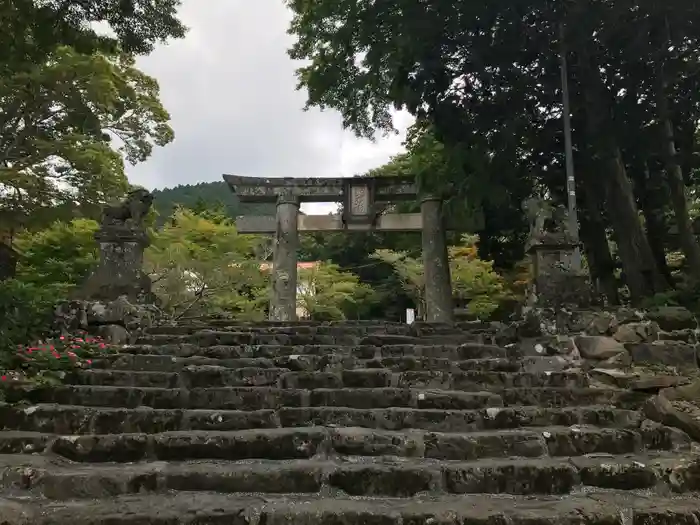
[364, 199]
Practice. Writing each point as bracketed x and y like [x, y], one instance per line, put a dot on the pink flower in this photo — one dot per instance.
[88, 361]
[3, 378]
[102, 345]
[61, 338]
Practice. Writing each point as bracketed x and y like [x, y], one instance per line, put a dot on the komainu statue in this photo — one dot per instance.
[548, 222]
[130, 213]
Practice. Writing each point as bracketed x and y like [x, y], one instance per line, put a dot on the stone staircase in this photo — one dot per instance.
[343, 424]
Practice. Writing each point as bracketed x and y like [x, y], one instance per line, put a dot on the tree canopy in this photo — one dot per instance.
[66, 126]
[32, 29]
[483, 80]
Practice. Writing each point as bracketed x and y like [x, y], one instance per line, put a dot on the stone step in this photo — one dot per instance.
[251, 398]
[322, 334]
[61, 480]
[308, 442]
[258, 398]
[226, 337]
[276, 328]
[218, 350]
[67, 419]
[362, 330]
[304, 362]
[203, 376]
[206, 508]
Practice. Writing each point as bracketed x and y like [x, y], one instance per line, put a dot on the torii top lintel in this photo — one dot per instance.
[320, 189]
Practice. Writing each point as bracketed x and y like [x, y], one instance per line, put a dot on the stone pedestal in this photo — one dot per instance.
[557, 281]
[283, 306]
[120, 271]
[438, 285]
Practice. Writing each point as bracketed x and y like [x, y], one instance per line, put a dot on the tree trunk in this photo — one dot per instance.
[651, 199]
[676, 184]
[595, 243]
[640, 271]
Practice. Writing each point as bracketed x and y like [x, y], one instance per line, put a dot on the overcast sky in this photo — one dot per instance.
[230, 88]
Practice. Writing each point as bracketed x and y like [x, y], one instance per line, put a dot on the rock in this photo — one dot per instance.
[598, 348]
[688, 392]
[628, 315]
[546, 346]
[613, 377]
[677, 407]
[539, 365]
[576, 321]
[114, 334]
[601, 324]
[669, 353]
[671, 318]
[657, 383]
[636, 332]
[663, 411]
[686, 336]
[607, 322]
[621, 361]
[87, 315]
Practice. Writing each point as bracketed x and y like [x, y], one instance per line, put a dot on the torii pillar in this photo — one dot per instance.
[438, 283]
[283, 305]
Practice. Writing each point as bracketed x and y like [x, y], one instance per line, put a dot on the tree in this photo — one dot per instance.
[59, 257]
[31, 29]
[189, 195]
[65, 125]
[409, 270]
[200, 266]
[474, 282]
[327, 293]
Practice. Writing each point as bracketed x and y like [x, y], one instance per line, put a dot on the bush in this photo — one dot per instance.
[49, 361]
[26, 314]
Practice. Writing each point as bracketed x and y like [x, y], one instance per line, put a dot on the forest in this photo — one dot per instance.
[482, 79]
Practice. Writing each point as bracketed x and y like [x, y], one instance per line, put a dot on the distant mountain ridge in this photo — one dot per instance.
[213, 193]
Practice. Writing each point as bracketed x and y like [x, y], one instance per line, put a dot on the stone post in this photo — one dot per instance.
[559, 285]
[284, 278]
[120, 269]
[438, 286]
[557, 278]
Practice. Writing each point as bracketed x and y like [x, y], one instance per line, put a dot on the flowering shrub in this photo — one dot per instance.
[49, 361]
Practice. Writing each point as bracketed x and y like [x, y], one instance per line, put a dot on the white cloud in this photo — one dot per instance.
[230, 88]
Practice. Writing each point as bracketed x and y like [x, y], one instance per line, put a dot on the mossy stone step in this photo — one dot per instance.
[205, 508]
[72, 419]
[364, 477]
[307, 442]
[204, 376]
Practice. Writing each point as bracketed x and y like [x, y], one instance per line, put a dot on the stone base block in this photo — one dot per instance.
[96, 316]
